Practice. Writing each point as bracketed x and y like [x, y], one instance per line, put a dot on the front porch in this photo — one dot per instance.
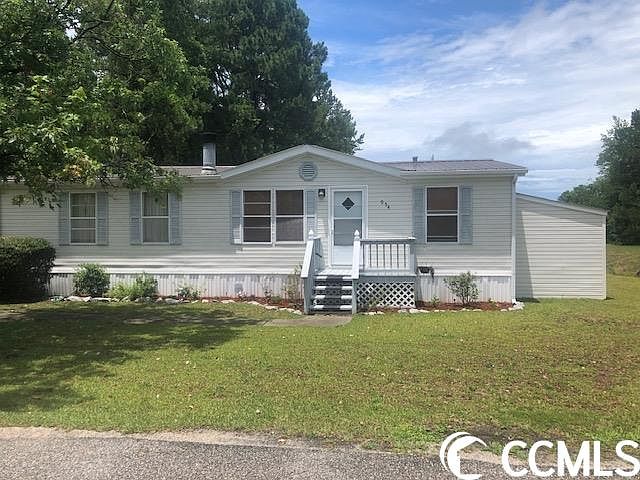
[382, 273]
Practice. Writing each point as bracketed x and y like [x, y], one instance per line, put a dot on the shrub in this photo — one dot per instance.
[90, 279]
[143, 286]
[25, 268]
[464, 287]
[187, 292]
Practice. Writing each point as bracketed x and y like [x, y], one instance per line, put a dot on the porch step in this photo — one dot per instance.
[341, 308]
[333, 297]
[345, 288]
[333, 278]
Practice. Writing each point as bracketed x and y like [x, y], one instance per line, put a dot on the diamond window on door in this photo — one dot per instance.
[348, 203]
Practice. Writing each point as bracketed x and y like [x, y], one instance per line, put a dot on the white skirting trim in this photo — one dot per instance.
[209, 285]
[494, 287]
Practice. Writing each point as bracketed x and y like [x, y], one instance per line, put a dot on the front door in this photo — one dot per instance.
[348, 216]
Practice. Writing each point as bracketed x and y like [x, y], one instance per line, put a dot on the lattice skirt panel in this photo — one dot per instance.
[382, 294]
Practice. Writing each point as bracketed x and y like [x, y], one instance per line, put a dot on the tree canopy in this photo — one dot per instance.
[97, 90]
[617, 189]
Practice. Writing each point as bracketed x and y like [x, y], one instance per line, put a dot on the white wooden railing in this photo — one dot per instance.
[384, 255]
[312, 263]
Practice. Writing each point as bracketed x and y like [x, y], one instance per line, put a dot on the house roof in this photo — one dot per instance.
[457, 166]
[557, 203]
[395, 169]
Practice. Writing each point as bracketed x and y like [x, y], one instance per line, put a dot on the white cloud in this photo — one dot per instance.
[538, 90]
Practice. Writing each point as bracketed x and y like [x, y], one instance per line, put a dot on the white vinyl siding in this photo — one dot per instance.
[206, 224]
[560, 252]
[82, 218]
[490, 252]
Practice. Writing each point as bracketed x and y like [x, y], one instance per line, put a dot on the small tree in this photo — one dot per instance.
[464, 287]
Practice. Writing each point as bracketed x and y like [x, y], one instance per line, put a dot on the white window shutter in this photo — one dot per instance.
[102, 218]
[64, 233]
[235, 200]
[419, 214]
[466, 215]
[135, 218]
[175, 219]
[310, 203]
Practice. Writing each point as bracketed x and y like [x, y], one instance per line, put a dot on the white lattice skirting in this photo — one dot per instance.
[385, 294]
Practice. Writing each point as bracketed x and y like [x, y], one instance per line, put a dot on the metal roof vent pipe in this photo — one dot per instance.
[208, 154]
[415, 162]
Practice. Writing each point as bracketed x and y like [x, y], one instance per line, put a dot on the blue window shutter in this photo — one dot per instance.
[419, 214]
[175, 219]
[64, 234]
[310, 202]
[102, 218]
[466, 215]
[135, 220]
[235, 200]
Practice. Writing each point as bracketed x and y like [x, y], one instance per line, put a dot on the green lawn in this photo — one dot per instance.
[559, 369]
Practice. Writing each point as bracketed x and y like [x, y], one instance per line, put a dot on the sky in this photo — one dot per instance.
[530, 83]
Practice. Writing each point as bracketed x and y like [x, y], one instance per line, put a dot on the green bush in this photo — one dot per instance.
[464, 287]
[143, 286]
[90, 279]
[25, 268]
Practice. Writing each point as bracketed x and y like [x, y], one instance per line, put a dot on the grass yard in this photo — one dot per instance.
[559, 369]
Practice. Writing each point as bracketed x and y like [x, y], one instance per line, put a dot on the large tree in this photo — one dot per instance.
[617, 189]
[268, 89]
[92, 90]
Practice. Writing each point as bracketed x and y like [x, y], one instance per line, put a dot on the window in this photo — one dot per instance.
[257, 216]
[289, 216]
[260, 221]
[155, 218]
[83, 217]
[442, 214]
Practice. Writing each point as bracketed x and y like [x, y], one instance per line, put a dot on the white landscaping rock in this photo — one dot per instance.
[414, 310]
[205, 300]
[74, 298]
[270, 307]
[297, 312]
[159, 300]
[171, 301]
[517, 306]
[228, 301]
[99, 299]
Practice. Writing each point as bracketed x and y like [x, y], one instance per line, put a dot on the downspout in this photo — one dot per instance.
[513, 239]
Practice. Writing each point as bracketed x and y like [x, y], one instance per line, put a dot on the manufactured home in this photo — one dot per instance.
[354, 232]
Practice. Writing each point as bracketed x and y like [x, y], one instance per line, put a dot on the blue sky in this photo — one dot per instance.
[532, 83]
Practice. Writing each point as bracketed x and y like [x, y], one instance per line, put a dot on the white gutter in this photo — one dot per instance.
[513, 238]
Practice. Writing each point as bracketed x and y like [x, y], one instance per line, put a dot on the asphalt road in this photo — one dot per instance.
[68, 456]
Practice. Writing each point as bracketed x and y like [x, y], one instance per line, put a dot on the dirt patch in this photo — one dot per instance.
[317, 320]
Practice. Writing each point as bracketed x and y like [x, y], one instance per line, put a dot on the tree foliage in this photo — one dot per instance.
[92, 90]
[617, 189]
[268, 88]
[97, 90]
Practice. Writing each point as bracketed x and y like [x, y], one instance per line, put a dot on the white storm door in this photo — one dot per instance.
[348, 216]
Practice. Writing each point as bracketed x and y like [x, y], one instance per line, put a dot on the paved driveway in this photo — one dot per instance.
[51, 454]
